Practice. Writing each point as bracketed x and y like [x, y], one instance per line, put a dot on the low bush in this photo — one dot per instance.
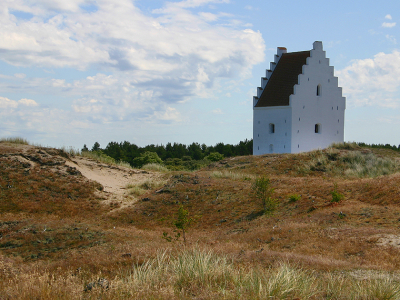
[294, 198]
[263, 192]
[336, 196]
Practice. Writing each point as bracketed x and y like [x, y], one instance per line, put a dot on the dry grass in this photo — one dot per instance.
[139, 188]
[56, 237]
[14, 140]
[351, 164]
[199, 274]
[155, 167]
[232, 175]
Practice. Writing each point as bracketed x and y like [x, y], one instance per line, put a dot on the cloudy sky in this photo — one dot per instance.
[150, 71]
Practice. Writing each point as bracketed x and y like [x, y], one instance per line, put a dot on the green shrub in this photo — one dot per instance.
[146, 158]
[336, 196]
[263, 192]
[181, 223]
[294, 198]
[215, 156]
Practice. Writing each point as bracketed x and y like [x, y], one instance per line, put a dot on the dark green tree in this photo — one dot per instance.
[96, 146]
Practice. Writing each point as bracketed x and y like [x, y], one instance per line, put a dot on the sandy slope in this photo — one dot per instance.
[114, 179]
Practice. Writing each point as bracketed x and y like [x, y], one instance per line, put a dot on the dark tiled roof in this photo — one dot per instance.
[280, 86]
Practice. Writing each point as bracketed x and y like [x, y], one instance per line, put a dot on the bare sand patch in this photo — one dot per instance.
[114, 179]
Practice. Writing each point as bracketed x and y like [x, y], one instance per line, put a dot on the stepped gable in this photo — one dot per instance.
[281, 83]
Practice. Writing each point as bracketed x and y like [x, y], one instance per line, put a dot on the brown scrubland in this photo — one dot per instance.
[75, 228]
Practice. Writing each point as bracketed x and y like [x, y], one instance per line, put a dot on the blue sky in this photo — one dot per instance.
[151, 72]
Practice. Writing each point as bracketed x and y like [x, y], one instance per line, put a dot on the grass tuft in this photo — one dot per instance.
[14, 140]
[140, 188]
[101, 157]
[155, 167]
[232, 175]
[351, 164]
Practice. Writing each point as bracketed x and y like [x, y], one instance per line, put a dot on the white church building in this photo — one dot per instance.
[299, 106]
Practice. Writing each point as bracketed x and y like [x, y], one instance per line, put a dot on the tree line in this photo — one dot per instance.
[175, 154]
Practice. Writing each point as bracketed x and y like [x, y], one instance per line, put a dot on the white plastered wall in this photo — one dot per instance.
[309, 109]
[280, 140]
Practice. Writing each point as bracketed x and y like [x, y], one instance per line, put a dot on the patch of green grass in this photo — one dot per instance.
[101, 157]
[336, 196]
[294, 198]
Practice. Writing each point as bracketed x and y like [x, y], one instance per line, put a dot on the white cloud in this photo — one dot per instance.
[372, 82]
[173, 44]
[27, 102]
[144, 65]
[388, 25]
[169, 114]
[217, 111]
[194, 3]
[391, 38]
[389, 17]
[7, 103]
[20, 75]
[393, 120]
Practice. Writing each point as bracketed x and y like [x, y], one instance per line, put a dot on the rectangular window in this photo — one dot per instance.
[271, 128]
[316, 128]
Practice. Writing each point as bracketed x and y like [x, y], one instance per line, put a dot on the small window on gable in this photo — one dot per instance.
[271, 128]
[317, 128]
[318, 90]
[271, 148]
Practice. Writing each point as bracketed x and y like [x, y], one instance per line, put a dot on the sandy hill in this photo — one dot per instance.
[78, 219]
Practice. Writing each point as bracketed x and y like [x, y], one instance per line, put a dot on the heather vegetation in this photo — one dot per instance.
[322, 233]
